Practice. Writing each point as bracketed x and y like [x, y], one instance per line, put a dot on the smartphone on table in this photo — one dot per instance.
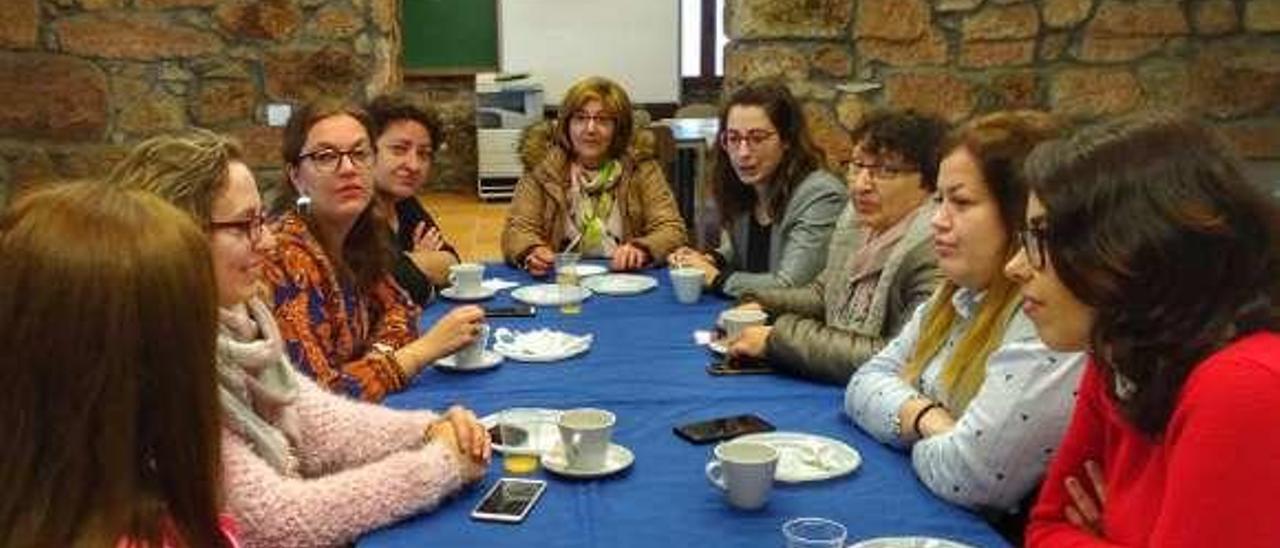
[723, 428]
[509, 500]
[730, 365]
[514, 311]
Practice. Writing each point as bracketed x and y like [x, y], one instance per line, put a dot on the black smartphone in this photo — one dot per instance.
[516, 311]
[722, 428]
[509, 500]
[728, 365]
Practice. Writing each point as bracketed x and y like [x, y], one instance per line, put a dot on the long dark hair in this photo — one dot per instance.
[108, 319]
[800, 158]
[1152, 223]
[366, 255]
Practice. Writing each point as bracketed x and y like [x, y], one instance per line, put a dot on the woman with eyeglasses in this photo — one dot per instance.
[108, 398]
[777, 205]
[880, 265]
[300, 466]
[1147, 248]
[406, 137]
[967, 387]
[342, 317]
[596, 192]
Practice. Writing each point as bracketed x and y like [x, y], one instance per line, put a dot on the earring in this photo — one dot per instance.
[303, 204]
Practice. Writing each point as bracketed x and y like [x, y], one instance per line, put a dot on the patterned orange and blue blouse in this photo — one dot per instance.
[328, 327]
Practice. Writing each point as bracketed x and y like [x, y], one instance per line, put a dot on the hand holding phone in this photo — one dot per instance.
[722, 428]
[509, 500]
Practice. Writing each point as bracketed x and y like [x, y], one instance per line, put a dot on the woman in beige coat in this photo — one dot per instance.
[593, 191]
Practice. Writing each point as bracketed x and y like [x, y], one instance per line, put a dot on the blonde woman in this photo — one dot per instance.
[593, 190]
[967, 386]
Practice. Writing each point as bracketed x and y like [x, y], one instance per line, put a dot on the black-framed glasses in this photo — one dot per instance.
[600, 120]
[731, 140]
[250, 227]
[329, 159]
[878, 172]
[1035, 242]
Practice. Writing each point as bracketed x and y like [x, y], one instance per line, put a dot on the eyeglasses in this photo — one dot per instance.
[250, 228]
[1035, 241]
[602, 120]
[329, 159]
[731, 140]
[877, 172]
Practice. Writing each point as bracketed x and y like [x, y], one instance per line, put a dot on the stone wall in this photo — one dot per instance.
[1083, 59]
[85, 79]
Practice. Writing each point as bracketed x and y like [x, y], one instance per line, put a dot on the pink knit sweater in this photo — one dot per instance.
[361, 466]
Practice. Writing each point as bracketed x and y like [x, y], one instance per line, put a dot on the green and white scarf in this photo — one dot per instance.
[593, 216]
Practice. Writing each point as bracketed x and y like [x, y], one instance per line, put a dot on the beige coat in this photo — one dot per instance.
[650, 218]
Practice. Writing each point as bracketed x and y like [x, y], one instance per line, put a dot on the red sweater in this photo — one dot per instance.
[1212, 480]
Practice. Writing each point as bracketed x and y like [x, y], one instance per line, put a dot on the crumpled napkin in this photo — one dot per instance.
[539, 343]
[498, 284]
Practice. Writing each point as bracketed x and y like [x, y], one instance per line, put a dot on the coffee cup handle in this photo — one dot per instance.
[715, 474]
[571, 448]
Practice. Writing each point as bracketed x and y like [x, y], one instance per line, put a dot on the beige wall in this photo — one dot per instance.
[1084, 59]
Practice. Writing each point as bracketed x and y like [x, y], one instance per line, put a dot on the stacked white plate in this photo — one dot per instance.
[540, 345]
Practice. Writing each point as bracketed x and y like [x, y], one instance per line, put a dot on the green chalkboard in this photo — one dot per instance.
[450, 36]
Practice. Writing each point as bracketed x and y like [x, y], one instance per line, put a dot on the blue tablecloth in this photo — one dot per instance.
[644, 367]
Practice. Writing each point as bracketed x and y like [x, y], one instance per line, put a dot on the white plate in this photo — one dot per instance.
[550, 294]
[540, 345]
[618, 459]
[620, 284]
[451, 292]
[908, 542]
[807, 457]
[541, 423]
[585, 270]
[489, 360]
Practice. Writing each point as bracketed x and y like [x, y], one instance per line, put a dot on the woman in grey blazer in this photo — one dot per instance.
[881, 263]
[777, 206]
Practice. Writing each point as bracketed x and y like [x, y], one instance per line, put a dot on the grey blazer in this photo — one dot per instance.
[797, 244]
[808, 338]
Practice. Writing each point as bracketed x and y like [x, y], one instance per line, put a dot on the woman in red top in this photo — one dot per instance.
[1146, 246]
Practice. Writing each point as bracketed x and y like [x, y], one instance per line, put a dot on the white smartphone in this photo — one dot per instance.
[509, 500]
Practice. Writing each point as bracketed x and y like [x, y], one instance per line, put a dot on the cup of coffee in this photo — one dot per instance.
[814, 533]
[735, 320]
[744, 470]
[472, 355]
[687, 282]
[466, 278]
[585, 434]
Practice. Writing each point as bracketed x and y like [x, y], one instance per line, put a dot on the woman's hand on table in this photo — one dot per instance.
[442, 431]
[628, 257]
[472, 437]
[931, 419]
[752, 342]
[1085, 509]
[456, 329]
[685, 257]
[539, 260]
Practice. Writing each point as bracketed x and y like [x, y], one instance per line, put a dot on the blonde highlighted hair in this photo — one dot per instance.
[999, 142]
[189, 169]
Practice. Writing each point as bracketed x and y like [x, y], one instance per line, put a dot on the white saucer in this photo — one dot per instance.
[585, 270]
[908, 542]
[451, 292]
[620, 284]
[490, 360]
[550, 294]
[618, 459]
[807, 457]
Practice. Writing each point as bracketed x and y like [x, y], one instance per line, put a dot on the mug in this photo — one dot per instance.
[687, 282]
[744, 470]
[472, 355]
[466, 278]
[585, 434]
[735, 320]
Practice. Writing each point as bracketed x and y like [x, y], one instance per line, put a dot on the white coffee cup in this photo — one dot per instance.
[466, 278]
[735, 320]
[744, 470]
[472, 355]
[687, 283]
[585, 435]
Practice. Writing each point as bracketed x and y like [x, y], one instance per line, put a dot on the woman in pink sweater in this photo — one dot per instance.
[301, 466]
[1146, 246]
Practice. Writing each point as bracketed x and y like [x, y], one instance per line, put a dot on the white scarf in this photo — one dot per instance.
[256, 383]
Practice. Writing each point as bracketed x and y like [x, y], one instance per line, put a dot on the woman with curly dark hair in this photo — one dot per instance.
[1147, 247]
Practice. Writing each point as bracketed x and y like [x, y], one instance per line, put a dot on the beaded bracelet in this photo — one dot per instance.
[915, 424]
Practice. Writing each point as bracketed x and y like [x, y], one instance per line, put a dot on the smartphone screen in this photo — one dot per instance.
[723, 428]
[727, 365]
[520, 310]
[509, 500]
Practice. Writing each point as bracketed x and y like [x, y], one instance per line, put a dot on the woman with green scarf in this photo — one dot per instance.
[595, 191]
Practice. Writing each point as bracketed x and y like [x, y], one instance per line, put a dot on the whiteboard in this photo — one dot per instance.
[633, 42]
